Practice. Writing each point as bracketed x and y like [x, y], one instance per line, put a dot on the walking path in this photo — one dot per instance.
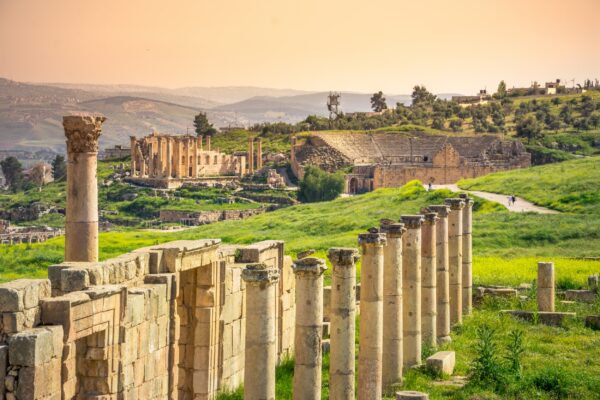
[520, 205]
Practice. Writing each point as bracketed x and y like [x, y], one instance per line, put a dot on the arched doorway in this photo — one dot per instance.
[353, 186]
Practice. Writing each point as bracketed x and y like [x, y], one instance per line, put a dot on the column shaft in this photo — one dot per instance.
[169, 158]
[81, 225]
[261, 337]
[411, 290]
[309, 328]
[342, 316]
[428, 279]
[442, 276]
[371, 316]
[392, 303]
[545, 289]
[250, 155]
[455, 259]
[467, 256]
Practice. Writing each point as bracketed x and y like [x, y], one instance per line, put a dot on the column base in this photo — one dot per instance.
[444, 339]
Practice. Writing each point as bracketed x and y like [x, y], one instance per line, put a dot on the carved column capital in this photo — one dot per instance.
[82, 132]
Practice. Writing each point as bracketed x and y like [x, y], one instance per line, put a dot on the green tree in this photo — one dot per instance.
[378, 103]
[501, 92]
[421, 96]
[438, 122]
[59, 168]
[529, 128]
[456, 125]
[319, 185]
[202, 126]
[13, 173]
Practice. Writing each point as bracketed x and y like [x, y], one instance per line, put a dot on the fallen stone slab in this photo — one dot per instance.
[455, 382]
[583, 296]
[411, 395]
[442, 362]
[544, 317]
[593, 322]
[496, 292]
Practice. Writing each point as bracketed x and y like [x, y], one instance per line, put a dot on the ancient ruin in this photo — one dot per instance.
[169, 161]
[392, 159]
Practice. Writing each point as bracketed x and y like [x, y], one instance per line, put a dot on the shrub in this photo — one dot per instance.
[319, 185]
[486, 368]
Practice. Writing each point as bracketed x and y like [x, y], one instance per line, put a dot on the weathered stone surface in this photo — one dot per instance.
[411, 395]
[584, 296]
[544, 317]
[22, 294]
[442, 362]
[36, 346]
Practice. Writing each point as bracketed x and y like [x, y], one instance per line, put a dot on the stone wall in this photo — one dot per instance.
[163, 322]
[207, 217]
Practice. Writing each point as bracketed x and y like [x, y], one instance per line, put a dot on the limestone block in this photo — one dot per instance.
[584, 296]
[135, 308]
[593, 322]
[442, 362]
[411, 395]
[594, 282]
[544, 317]
[3, 367]
[35, 346]
[74, 279]
[170, 280]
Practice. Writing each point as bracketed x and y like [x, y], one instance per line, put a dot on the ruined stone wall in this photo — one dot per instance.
[207, 217]
[163, 322]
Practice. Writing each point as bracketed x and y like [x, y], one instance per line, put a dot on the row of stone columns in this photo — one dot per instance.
[412, 292]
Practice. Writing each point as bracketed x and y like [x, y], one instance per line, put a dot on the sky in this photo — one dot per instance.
[451, 46]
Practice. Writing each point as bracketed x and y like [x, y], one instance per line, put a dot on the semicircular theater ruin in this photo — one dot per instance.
[185, 319]
[379, 160]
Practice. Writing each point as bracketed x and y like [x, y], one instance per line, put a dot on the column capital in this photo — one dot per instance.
[442, 211]
[412, 221]
[82, 132]
[468, 201]
[343, 256]
[373, 237]
[430, 216]
[260, 273]
[309, 266]
[455, 203]
[391, 228]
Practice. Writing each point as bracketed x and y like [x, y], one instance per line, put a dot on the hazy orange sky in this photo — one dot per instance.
[450, 46]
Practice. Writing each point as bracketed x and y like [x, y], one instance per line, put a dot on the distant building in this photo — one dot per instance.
[115, 153]
[482, 98]
[552, 87]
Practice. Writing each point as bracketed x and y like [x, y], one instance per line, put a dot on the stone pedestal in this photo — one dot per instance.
[442, 275]
[428, 279]
[455, 258]
[309, 328]
[467, 255]
[81, 226]
[411, 290]
[392, 303]
[342, 317]
[371, 316]
[545, 289]
[261, 339]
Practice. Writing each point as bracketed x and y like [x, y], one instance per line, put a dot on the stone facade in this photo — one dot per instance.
[393, 159]
[163, 322]
[208, 216]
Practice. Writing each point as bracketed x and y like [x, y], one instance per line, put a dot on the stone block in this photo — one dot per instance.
[544, 317]
[36, 346]
[583, 296]
[411, 395]
[74, 279]
[326, 302]
[442, 362]
[594, 282]
[593, 322]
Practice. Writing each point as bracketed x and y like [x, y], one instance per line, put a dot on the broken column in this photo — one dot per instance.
[467, 255]
[442, 276]
[545, 286]
[261, 339]
[371, 315]
[392, 303]
[428, 279]
[309, 327]
[455, 258]
[342, 317]
[411, 290]
[81, 225]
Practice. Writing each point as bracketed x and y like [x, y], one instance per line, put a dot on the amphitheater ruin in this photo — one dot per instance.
[380, 160]
[185, 319]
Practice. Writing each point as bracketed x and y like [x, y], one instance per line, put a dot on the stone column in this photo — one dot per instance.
[150, 159]
[342, 317]
[250, 155]
[545, 289]
[371, 316]
[411, 290]
[392, 303]
[258, 153]
[442, 276]
[169, 158]
[195, 159]
[467, 255]
[455, 258]
[159, 158]
[208, 139]
[428, 279]
[177, 158]
[132, 142]
[261, 336]
[309, 328]
[81, 226]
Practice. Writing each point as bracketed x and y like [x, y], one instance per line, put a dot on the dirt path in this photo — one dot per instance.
[520, 205]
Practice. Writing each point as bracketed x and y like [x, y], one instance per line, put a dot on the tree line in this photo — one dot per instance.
[15, 178]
